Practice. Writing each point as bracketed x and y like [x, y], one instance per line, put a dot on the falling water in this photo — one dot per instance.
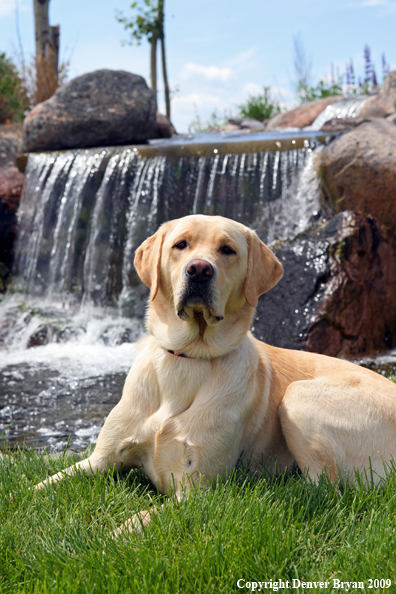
[84, 213]
[76, 296]
[347, 108]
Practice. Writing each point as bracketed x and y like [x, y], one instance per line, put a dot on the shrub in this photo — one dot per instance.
[40, 78]
[13, 97]
[259, 107]
[320, 91]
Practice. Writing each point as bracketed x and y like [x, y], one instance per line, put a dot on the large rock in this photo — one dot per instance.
[301, 116]
[341, 124]
[358, 171]
[163, 127]
[356, 312]
[11, 184]
[105, 107]
[385, 99]
[338, 292]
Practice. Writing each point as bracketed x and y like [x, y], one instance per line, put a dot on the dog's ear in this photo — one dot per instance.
[148, 260]
[263, 270]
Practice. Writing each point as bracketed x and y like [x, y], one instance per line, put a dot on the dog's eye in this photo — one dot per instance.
[226, 250]
[181, 245]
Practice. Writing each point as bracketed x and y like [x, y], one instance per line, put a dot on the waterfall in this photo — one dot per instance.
[75, 295]
[83, 213]
[347, 108]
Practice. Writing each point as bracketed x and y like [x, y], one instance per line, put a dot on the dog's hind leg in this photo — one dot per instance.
[343, 424]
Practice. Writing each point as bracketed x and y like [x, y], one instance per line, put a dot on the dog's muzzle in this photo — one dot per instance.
[199, 271]
[197, 293]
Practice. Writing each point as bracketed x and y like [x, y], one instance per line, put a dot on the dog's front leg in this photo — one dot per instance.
[176, 472]
[137, 523]
[142, 519]
[107, 454]
[90, 465]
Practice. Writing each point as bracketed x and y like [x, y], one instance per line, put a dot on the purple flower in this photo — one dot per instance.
[368, 67]
[375, 82]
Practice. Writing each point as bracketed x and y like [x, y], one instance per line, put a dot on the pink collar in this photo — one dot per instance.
[180, 355]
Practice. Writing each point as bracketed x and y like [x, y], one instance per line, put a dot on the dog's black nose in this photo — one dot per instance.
[199, 271]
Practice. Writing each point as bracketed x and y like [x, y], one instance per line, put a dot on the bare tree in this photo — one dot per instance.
[45, 75]
[149, 23]
[161, 9]
[47, 37]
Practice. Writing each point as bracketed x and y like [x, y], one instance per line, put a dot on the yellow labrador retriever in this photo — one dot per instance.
[203, 393]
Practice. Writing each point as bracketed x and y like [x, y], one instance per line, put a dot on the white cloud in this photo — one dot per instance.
[210, 73]
[388, 5]
[8, 7]
[108, 53]
[214, 98]
[198, 99]
[251, 89]
[376, 3]
[244, 58]
[282, 95]
[186, 107]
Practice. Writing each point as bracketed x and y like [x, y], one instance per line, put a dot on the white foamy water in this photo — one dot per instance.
[58, 394]
[74, 360]
[345, 109]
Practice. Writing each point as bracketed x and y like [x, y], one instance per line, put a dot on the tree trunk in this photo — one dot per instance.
[153, 66]
[165, 75]
[161, 18]
[47, 37]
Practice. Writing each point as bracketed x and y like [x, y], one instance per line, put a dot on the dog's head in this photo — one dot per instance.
[205, 270]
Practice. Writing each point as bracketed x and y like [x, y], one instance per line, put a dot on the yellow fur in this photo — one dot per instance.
[186, 419]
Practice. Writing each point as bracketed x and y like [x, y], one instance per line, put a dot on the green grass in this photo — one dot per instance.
[279, 528]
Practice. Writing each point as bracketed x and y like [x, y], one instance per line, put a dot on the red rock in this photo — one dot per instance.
[11, 184]
[358, 171]
[385, 99]
[357, 311]
[338, 292]
[301, 116]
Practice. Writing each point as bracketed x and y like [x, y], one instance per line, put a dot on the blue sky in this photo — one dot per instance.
[219, 51]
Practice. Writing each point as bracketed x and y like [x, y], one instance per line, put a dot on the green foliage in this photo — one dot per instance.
[259, 107]
[214, 122]
[13, 99]
[59, 539]
[345, 83]
[148, 22]
[322, 90]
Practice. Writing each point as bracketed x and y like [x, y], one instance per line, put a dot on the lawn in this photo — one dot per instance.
[281, 528]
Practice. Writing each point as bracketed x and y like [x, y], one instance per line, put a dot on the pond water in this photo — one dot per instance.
[57, 395]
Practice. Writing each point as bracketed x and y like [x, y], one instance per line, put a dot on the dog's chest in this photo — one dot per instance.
[180, 379]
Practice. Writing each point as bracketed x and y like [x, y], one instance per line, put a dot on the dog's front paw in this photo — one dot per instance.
[135, 525]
